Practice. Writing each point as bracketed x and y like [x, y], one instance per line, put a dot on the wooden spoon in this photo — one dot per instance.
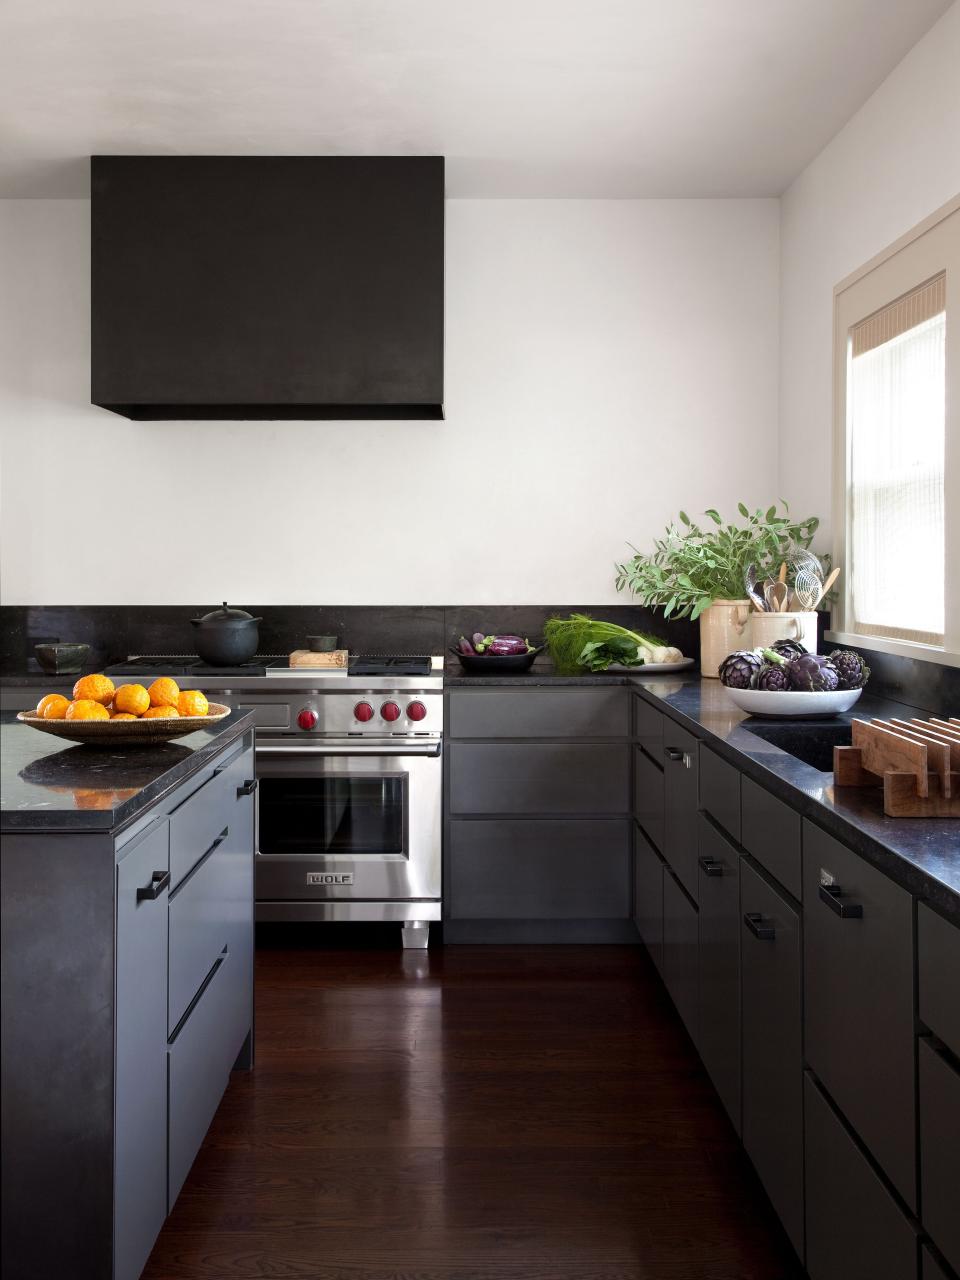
[832, 576]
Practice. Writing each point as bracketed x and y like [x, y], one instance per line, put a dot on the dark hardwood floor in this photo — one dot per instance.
[471, 1113]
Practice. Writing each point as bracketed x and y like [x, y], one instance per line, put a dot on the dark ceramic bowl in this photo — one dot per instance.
[497, 664]
[61, 659]
[322, 644]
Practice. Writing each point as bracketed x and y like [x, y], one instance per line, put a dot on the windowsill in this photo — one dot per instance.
[902, 648]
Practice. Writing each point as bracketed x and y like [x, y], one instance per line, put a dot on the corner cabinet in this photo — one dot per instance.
[127, 1000]
[537, 831]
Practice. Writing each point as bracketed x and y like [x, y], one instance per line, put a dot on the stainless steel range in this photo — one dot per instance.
[349, 794]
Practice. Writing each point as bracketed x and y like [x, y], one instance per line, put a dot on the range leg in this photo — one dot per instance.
[416, 933]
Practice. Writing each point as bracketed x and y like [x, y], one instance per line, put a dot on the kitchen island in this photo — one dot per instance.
[127, 996]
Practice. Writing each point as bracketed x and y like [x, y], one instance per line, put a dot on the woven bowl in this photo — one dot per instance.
[125, 733]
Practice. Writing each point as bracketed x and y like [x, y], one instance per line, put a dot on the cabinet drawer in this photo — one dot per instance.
[940, 1151]
[719, 958]
[196, 823]
[539, 713]
[772, 1067]
[648, 796]
[539, 870]
[648, 728]
[855, 1230]
[720, 791]
[770, 830]
[549, 779]
[680, 946]
[200, 1059]
[681, 799]
[209, 910]
[938, 959]
[858, 973]
[648, 896]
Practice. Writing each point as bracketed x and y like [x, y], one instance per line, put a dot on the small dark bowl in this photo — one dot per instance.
[497, 664]
[322, 644]
[63, 659]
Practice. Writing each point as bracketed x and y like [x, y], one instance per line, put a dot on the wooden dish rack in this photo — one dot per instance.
[918, 762]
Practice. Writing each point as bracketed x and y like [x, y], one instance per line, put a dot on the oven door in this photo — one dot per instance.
[348, 820]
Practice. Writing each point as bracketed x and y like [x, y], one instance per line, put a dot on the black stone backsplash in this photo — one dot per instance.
[115, 632]
[928, 685]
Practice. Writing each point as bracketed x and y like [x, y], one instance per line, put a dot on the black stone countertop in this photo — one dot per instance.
[49, 784]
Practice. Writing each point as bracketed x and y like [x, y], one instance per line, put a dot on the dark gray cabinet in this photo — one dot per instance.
[543, 778]
[940, 1149]
[140, 1092]
[858, 989]
[681, 799]
[938, 962]
[770, 831]
[719, 965]
[648, 796]
[720, 791]
[855, 1229]
[648, 725]
[538, 836]
[539, 869]
[680, 947]
[648, 896]
[770, 963]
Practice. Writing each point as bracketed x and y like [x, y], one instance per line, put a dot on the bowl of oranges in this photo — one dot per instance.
[103, 714]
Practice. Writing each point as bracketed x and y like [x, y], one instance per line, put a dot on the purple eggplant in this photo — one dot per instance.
[466, 647]
[478, 639]
[508, 645]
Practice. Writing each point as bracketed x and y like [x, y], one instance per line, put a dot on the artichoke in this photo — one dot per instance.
[853, 671]
[773, 679]
[739, 670]
[788, 648]
[810, 673]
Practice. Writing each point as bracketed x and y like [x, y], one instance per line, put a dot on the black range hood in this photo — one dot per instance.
[267, 286]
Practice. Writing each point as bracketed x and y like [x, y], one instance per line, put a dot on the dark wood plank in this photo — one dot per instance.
[480, 1113]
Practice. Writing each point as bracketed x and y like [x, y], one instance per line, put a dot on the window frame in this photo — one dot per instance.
[913, 258]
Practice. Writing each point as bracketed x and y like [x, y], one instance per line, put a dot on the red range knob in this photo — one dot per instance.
[416, 711]
[307, 719]
[363, 711]
[390, 711]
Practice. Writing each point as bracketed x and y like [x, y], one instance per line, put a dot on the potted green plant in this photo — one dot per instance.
[696, 572]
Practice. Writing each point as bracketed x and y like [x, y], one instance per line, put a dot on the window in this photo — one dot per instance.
[898, 455]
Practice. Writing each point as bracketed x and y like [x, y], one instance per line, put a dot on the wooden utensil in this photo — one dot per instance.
[782, 575]
[832, 576]
[775, 594]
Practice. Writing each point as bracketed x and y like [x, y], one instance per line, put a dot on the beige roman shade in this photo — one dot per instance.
[922, 303]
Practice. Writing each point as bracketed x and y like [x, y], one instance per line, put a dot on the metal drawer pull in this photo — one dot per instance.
[158, 883]
[248, 788]
[679, 757]
[755, 923]
[711, 867]
[832, 895]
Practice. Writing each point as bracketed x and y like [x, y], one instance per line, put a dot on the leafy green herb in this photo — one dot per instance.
[580, 642]
[691, 566]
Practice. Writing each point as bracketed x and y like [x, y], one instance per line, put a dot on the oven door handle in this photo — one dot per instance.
[351, 749]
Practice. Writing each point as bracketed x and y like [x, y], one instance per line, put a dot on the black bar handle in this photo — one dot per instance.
[832, 895]
[755, 923]
[158, 883]
[248, 788]
[677, 756]
[710, 866]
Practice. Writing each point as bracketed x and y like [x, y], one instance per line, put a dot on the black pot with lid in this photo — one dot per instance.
[226, 637]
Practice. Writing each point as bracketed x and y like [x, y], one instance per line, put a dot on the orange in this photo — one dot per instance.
[161, 711]
[123, 715]
[192, 703]
[86, 709]
[53, 706]
[94, 688]
[164, 692]
[131, 697]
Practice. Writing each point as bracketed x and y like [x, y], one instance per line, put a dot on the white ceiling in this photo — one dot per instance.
[524, 97]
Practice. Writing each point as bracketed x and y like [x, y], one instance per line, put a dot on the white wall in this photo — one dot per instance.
[895, 162]
[607, 362]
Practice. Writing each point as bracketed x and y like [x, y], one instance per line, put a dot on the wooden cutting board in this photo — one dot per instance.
[336, 658]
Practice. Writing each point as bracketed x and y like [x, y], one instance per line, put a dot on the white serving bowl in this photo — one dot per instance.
[792, 705]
